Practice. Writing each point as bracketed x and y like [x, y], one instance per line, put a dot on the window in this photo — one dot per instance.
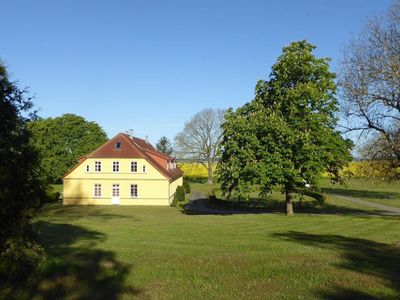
[118, 145]
[87, 168]
[133, 166]
[97, 166]
[115, 166]
[115, 190]
[134, 191]
[144, 168]
[97, 190]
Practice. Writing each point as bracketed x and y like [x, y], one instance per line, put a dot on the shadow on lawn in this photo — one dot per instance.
[200, 207]
[74, 269]
[89, 211]
[359, 255]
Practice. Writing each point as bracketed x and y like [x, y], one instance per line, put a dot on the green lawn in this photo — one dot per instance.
[374, 190]
[342, 251]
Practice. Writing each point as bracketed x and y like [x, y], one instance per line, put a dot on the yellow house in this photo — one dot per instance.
[125, 170]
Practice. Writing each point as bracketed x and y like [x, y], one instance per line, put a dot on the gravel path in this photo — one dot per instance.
[390, 210]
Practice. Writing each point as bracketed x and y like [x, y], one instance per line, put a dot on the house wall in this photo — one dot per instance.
[153, 187]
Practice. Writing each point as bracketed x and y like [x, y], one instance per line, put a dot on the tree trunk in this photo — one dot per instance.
[289, 203]
[210, 172]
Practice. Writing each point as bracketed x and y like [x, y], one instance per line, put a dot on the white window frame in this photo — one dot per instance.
[131, 190]
[97, 190]
[115, 166]
[97, 166]
[115, 187]
[132, 164]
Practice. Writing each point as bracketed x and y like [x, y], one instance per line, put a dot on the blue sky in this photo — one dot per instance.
[151, 65]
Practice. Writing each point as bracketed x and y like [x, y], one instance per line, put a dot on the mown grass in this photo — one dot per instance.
[374, 190]
[343, 251]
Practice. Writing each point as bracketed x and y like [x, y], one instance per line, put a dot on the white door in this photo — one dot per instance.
[115, 194]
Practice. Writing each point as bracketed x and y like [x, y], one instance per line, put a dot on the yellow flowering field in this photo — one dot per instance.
[195, 169]
[357, 169]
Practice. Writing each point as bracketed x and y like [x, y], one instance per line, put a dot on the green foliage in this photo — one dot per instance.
[164, 145]
[319, 197]
[186, 186]
[212, 194]
[21, 189]
[179, 196]
[21, 258]
[286, 135]
[60, 141]
[52, 196]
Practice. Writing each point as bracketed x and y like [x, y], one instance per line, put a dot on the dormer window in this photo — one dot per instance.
[118, 145]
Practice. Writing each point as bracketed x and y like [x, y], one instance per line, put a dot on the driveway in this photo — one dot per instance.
[389, 210]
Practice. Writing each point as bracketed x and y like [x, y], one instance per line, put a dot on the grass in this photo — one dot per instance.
[374, 190]
[342, 251]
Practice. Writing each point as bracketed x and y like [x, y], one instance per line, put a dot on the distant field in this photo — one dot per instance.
[357, 169]
[195, 169]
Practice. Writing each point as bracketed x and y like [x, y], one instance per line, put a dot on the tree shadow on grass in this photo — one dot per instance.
[87, 211]
[359, 255]
[200, 207]
[75, 269]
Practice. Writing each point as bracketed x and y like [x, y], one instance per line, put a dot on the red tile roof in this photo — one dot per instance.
[132, 147]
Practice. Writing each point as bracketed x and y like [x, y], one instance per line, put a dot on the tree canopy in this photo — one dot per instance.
[164, 145]
[201, 137]
[286, 136]
[61, 140]
[21, 188]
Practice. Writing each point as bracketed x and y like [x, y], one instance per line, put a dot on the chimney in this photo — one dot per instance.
[147, 139]
[130, 133]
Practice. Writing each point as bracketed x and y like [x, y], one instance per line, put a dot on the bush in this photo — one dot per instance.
[319, 197]
[212, 194]
[20, 259]
[52, 196]
[195, 178]
[179, 196]
[186, 186]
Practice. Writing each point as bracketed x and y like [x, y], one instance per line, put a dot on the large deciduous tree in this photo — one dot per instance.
[21, 188]
[200, 138]
[286, 136]
[370, 85]
[60, 141]
[164, 145]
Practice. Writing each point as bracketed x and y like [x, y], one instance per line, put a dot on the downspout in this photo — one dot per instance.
[169, 192]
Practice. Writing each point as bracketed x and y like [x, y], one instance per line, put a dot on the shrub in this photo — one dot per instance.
[319, 197]
[20, 259]
[212, 194]
[179, 196]
[186, 186]
[52, 196]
